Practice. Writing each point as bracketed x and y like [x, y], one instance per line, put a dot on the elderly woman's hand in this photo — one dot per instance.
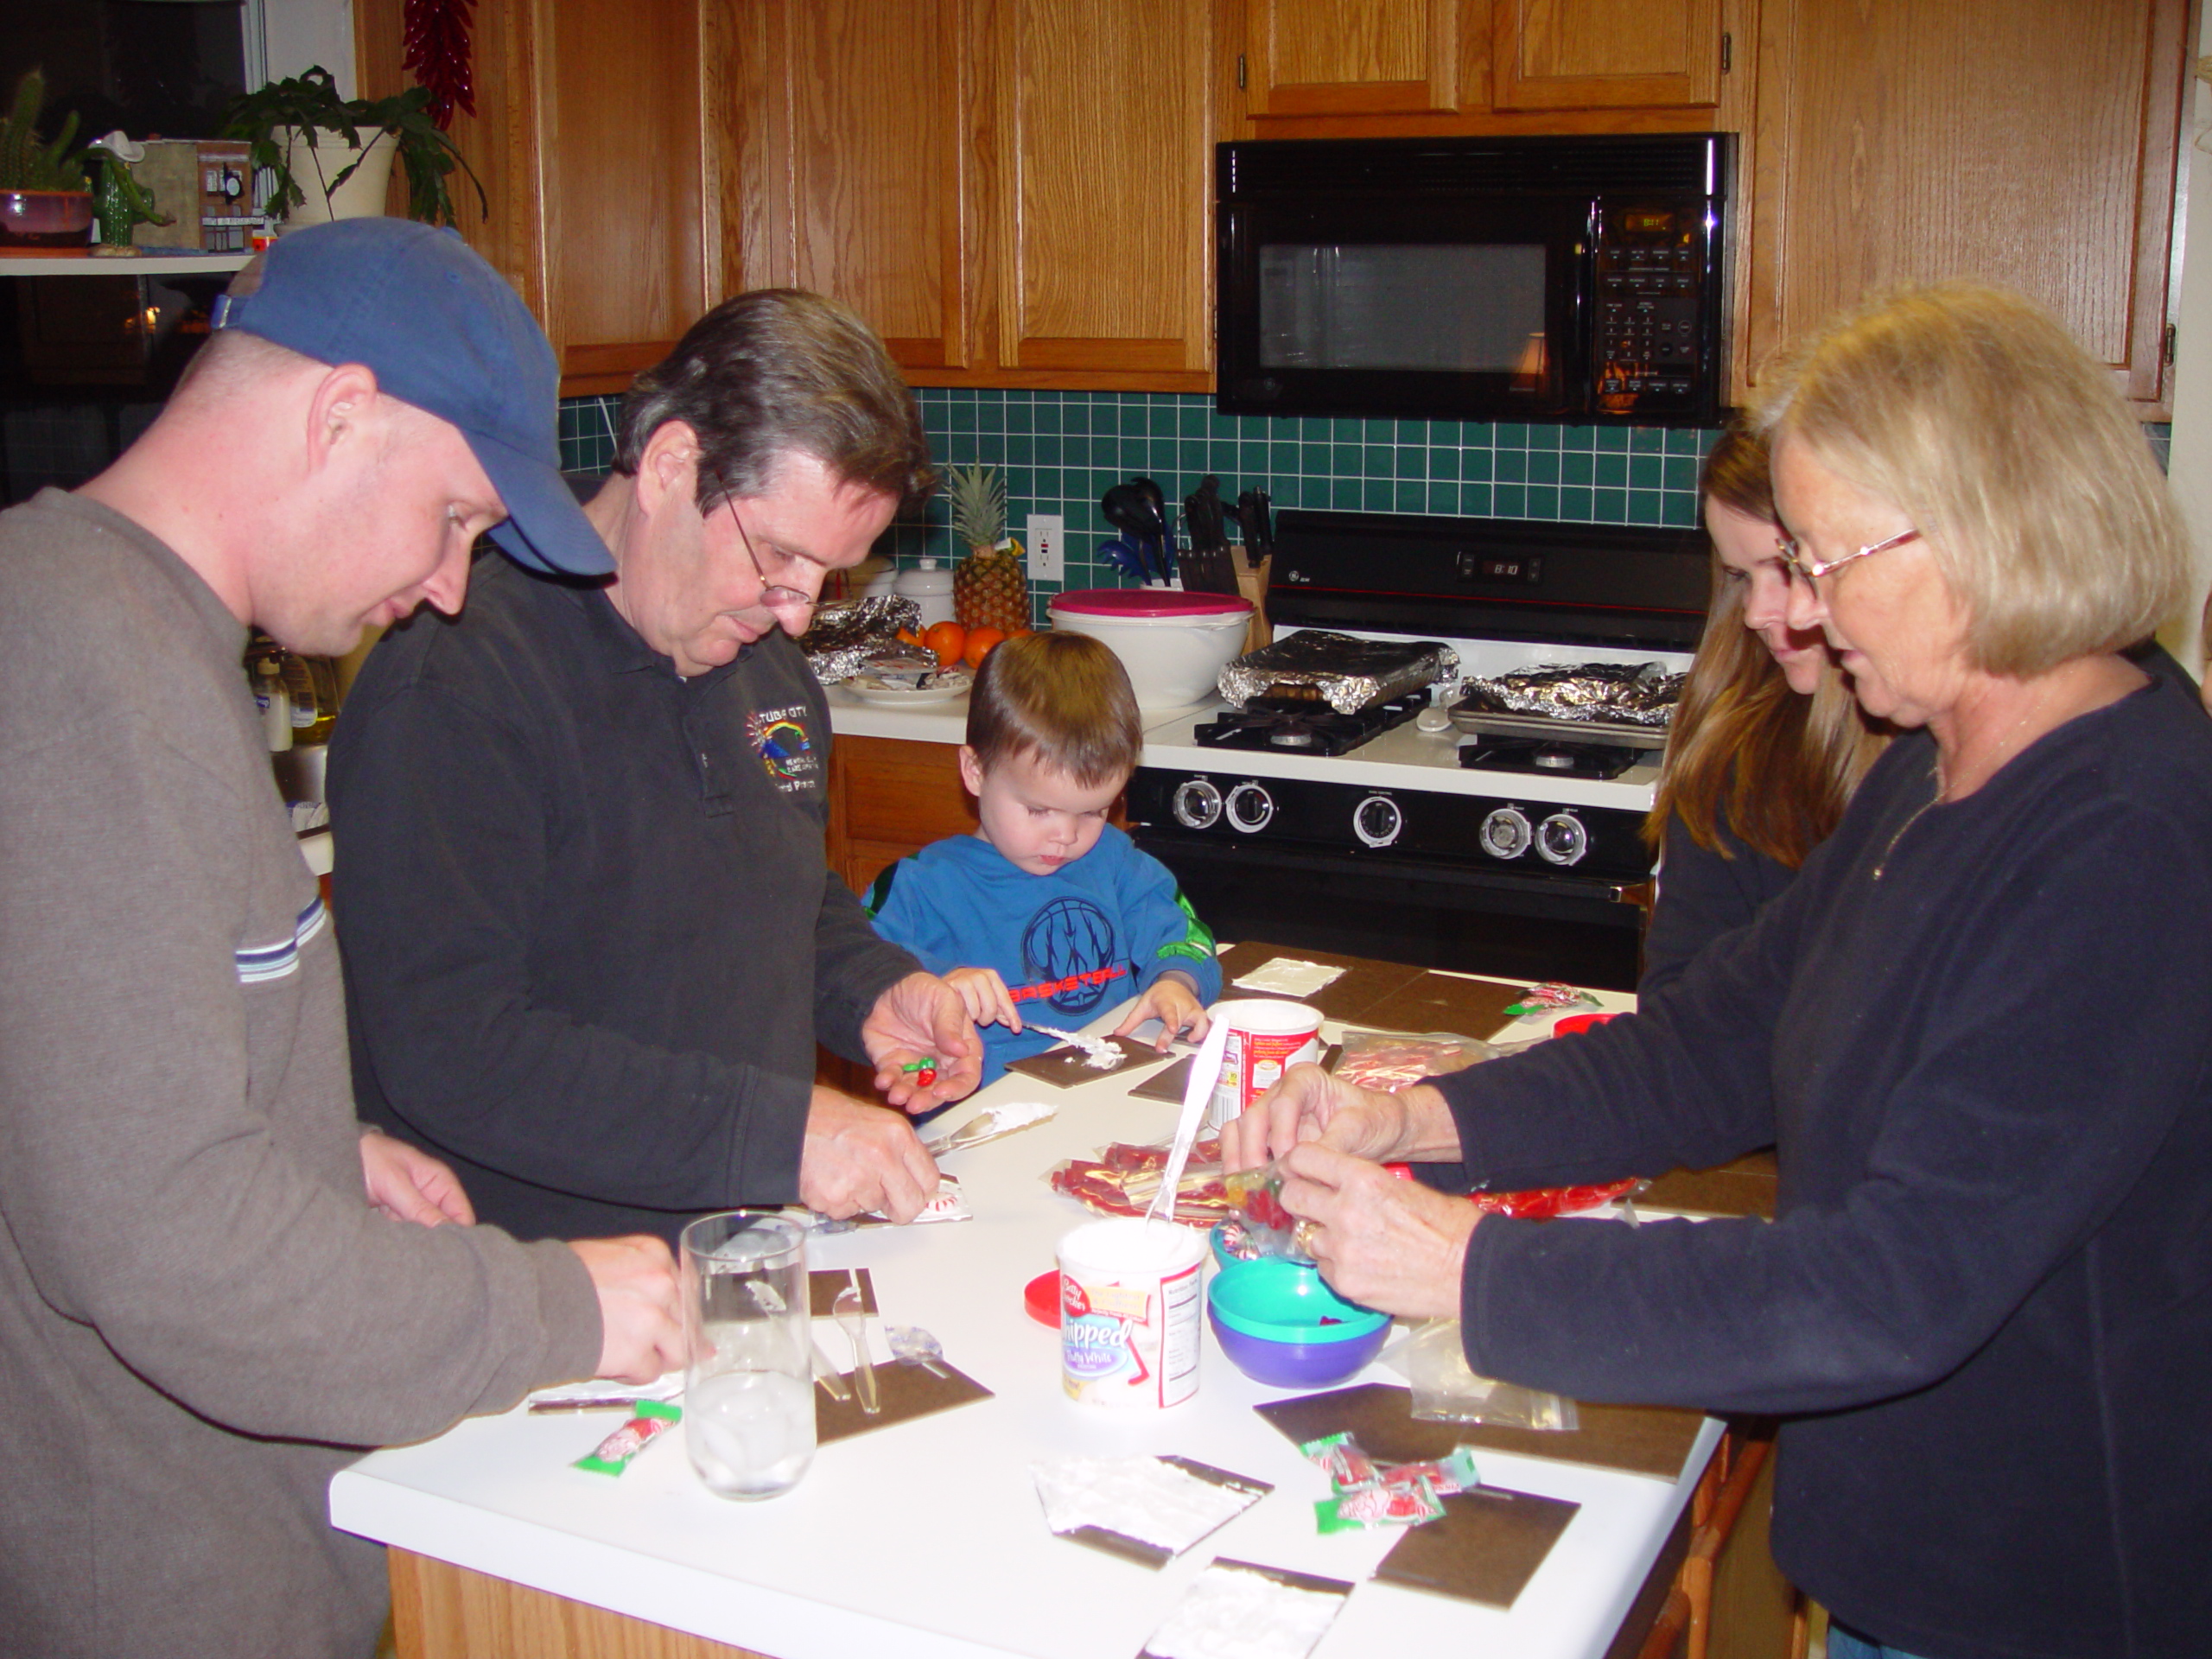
[1380, 1241]
[1309, 1104]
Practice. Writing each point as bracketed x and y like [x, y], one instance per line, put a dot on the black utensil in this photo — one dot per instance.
[1208, 568]
[1127, 511]
[1157, 499]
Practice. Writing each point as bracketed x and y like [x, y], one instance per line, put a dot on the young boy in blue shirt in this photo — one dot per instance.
[1048, 910]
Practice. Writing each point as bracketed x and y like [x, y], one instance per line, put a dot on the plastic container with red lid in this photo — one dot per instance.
[1174, 645]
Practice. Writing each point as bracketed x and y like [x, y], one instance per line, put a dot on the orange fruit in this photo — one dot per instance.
[948, 640]
[980, 641]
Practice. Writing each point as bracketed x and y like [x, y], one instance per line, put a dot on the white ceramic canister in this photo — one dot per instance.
[1267, 1037]
[1132, 1305]
[930, 587]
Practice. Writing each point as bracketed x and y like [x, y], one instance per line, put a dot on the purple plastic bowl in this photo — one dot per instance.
[1297, 1365]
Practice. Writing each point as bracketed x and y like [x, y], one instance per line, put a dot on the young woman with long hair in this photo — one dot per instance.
[1767, 744]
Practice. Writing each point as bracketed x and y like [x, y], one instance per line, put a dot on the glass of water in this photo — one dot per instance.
[749, 1390]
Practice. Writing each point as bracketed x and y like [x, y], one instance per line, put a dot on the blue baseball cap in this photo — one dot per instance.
[443, 331]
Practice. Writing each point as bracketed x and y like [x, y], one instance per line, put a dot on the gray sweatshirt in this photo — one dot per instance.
[201, 1316]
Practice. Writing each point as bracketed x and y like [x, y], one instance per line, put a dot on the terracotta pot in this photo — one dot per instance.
[314, 166]
[47, 221]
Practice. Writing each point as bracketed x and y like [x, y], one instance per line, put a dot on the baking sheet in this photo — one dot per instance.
[1065, 1067]
[1652, 1440]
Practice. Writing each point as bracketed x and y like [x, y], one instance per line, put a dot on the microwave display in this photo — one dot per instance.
[1551, 279]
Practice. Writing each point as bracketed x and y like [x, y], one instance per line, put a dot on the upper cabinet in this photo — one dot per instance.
[590, 137]
[2030, 143]
[1018, 193]
[1012, 192]
[1317, 67]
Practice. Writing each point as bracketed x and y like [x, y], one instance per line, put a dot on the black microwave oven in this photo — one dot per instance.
[1573, 280]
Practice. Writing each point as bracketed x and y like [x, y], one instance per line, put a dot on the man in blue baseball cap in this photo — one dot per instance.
[212, 1281]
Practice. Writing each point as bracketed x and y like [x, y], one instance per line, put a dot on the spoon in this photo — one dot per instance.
[915, 1346]
[852, 1319]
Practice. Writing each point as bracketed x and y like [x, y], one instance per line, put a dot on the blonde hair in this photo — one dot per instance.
[1064, 698]
[1782, 767]
[1974, 411]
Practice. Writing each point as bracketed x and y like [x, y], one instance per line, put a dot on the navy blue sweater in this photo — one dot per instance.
[1978, 1034]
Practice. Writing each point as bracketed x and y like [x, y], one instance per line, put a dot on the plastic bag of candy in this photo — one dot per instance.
[1261, 1226]
[1446, 1391]
[1542, 1203]
[1124, 1178]
[1391, 1060]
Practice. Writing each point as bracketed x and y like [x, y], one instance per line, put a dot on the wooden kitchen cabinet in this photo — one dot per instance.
[1450, 63]
[1012, 192]
[591, 137]
[890, 797]
[2031, 143]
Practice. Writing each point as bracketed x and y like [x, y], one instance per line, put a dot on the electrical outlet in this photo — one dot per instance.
[1046, 560]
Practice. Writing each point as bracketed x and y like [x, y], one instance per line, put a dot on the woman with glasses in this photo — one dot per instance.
[1975, 1028]
[1766, 744]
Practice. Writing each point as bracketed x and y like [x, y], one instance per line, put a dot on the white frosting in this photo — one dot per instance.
[1227, 1614]
[1143, 1499]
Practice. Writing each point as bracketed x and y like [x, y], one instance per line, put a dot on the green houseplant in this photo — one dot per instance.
[308, 105]
[44, 199]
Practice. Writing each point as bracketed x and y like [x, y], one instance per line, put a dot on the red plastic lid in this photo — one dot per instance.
[1041, 1296]
[1148, 601]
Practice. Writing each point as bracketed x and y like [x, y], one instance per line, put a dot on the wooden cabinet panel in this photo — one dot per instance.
[1322, 57]
[589, 137]
[2030, 143]
[859, 111]
[1623, 54]
[619, 161]
[1103, 146]
[888, 798]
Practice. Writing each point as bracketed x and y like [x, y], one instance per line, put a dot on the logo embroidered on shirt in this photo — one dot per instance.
[778, 737]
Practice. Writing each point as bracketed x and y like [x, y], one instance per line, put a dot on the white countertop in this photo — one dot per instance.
[1405, 758]
[925, 1538]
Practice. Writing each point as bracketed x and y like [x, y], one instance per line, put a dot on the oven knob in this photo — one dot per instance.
[1505, 833]
[1250, 807]
[1376, 821]
[1198, 805]
[1561, 839]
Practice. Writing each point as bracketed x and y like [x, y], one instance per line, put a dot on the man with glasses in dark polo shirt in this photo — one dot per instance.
[591, 936]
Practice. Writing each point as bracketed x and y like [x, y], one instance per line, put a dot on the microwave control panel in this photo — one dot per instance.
[1650, 351]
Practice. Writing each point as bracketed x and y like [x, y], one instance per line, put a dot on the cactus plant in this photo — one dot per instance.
[25, 164]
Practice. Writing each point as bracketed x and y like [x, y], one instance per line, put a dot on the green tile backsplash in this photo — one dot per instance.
[1061, 450]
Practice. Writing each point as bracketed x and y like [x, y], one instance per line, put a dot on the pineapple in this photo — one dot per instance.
[989, 589]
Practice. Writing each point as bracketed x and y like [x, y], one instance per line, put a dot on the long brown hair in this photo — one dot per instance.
[1779, 766]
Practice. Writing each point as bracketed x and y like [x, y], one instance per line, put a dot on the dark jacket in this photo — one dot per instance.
[589, 934]
[1978, 1034]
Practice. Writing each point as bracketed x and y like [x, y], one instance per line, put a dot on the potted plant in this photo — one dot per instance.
[45, 204]
[311, 138]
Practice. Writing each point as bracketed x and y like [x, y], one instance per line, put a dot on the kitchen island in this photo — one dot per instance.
[925, 1538]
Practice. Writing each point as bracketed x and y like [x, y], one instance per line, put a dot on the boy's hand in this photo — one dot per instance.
[1174, 1000]
[922, 1018]
[985, 996]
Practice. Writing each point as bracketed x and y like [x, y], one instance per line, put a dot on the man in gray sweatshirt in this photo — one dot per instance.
[213, 1285]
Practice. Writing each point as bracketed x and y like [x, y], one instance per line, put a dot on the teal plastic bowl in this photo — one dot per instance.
[1279, 1323]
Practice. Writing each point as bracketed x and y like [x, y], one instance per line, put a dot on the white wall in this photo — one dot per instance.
[2191, 468]
[299, 32]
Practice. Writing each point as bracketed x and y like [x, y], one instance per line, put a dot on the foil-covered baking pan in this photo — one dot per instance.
[860, 636]
[1628, 703]
[1315, 666]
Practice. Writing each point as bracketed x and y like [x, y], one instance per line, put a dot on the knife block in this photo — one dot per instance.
[1253, 584]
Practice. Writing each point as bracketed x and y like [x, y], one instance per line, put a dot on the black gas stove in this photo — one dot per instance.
[1305, 729]
[1544, 758]
[1299, 826]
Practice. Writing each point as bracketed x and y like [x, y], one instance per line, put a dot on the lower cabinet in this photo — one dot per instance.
[888, 798]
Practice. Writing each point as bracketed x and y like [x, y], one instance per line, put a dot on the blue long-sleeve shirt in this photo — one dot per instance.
[1068, 945]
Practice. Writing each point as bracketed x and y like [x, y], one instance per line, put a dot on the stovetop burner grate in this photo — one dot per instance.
[1545, 758]
[1303, 729]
